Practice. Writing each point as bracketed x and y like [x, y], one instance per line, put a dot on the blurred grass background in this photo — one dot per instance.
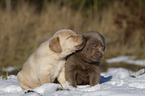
[25, 24]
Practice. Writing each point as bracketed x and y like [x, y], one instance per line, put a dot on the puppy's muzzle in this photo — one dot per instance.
[101, 56]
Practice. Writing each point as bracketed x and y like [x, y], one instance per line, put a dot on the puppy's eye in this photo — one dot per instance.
[69, 37]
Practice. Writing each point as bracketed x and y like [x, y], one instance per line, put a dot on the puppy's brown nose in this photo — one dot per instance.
[100, 56]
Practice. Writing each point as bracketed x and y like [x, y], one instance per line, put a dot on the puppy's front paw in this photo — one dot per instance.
[73, 84]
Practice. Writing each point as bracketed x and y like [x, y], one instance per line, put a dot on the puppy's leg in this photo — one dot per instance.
[78, 79]
[45, 79]
[25, 86]
[94, 78]
[71, 78]
[61, 77]
[23, 82]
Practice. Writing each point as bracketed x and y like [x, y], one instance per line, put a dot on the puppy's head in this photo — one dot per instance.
[94, 48]
[66, 42]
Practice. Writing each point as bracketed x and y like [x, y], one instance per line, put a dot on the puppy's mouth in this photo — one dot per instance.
[92, 62]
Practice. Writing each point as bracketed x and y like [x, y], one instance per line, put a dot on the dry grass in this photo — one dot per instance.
[23, 31]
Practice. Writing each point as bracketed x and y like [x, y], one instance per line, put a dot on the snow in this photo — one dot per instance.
[126, 59]
[10, 69]
[114, 82]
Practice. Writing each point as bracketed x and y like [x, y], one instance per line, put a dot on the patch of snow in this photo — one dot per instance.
[10, 69]
[137, 85]
[12, 89]
[88, 88]
[137, 62]
[114, 82]
[51, 87]
[139, 73]
[126, 59]
[119, 59]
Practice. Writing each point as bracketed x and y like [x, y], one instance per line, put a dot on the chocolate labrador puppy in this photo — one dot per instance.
[82, 67]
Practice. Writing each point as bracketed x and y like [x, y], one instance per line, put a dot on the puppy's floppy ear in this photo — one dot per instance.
[54, 45]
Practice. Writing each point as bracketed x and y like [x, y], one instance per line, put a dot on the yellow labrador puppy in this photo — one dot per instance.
[46, 63]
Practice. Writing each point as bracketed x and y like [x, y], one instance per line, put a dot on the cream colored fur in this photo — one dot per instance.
[44, 65]
[61, 77]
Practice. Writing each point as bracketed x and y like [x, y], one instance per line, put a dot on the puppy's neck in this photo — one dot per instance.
[83, 58]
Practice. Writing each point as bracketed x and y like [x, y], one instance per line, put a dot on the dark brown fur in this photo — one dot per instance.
[83, 66]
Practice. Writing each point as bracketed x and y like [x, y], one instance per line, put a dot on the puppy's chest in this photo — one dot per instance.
[60, 64]
[84, 68]
[55, 70]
